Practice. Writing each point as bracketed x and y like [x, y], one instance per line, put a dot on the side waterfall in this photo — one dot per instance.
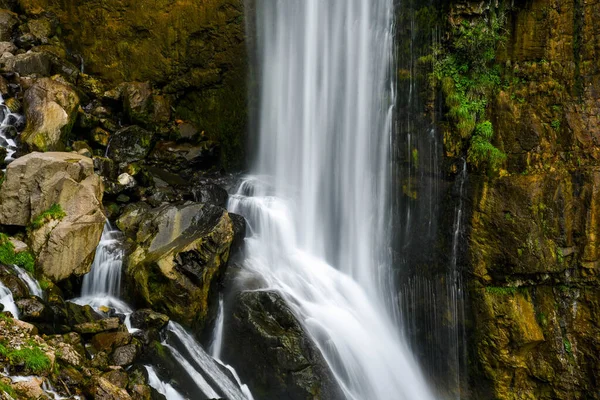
[102, 287]
[318, 201]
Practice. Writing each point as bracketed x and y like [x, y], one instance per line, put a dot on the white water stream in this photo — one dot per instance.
[317, 203]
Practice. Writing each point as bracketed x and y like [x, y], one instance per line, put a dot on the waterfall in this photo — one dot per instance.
[161, 387]
[204, 367]
[9, 124]
[33, 285]
[6, 299]
[317, 203]
[105, 275]
[217, 340]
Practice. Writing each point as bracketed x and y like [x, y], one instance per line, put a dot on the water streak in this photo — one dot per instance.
[32, 284]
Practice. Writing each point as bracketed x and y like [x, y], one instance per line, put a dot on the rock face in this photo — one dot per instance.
[192, 50]
[532, 264]
[51, 109]
[273, 354]
[180, 252]
[37, 181]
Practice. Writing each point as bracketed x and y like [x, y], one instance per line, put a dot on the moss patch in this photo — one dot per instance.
[55, 212]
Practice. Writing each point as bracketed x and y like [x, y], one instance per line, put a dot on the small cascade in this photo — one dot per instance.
[102, 288]
[6, 299]
[105, 275]
[202, 368]
[10, 125]
[32, 284]
[161, 387]
[217, 340]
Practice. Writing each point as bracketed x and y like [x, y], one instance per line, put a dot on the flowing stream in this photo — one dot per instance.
[317, 202]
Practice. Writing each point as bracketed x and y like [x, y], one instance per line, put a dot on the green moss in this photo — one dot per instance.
[556, 125]
[31, 356]
[501, 290]
[44, 284]
[8, 256]
[55, 212]
[6, 388]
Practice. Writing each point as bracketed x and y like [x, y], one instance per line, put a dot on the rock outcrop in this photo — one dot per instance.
[272, 352]
[195, 52]
[33, 185]
[50, 108]
[179, 253]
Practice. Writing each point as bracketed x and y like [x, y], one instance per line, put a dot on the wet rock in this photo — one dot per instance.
[33, 309]
[130, 144]
[31, 388]
[239, 230]
[181, 251]
[184, 156]
[51, 110]
[8, 21]
[125, 355]
[25, 41]
[17, 287]
[102, 389]
[29, 63]
[210, 193]
[102, 325]
[137, 102]
[37, 181]
[272, 352]
[107, 341]
[148, 319]
[118, 378]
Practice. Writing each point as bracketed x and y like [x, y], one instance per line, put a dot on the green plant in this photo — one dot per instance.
[44, 284]
[567, 346]
[501, 290]
[8, 256]
[466, 72]
[33, 358]
[482, 150]
[6, 388]
[55, 212]
[555, 125]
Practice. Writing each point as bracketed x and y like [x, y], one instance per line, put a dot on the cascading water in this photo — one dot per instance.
[102, 288]
[105, 275]
[9, 125]
[318, 203]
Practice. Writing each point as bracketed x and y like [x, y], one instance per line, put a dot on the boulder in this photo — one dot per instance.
[210, 193]
[272, 352]
[107, 341]
[125, 355]
[103, 325]
[8, 20]
[180, 253]
[51, 109]
[7, 47]
[37, 181]
[130, 144]
[178, 157]
[102, 389]
[39, 63]
[148, 319]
